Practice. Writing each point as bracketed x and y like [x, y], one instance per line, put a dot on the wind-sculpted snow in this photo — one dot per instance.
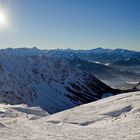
[113, 118]
[14, 111]
[50, 82]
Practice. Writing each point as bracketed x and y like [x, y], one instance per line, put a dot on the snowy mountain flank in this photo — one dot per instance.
[39, 79]
[121, 65]
[113, 118]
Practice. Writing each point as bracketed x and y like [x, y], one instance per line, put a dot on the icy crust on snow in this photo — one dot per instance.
[113, 118]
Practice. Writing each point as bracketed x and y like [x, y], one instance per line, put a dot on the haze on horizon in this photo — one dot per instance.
[76, 24]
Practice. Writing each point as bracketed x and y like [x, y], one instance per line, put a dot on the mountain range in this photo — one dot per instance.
[57, 80]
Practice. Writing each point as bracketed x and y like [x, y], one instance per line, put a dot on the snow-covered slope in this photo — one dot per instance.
[113, 118]
[50, 82]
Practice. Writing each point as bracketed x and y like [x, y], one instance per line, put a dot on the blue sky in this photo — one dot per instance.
[77, 24]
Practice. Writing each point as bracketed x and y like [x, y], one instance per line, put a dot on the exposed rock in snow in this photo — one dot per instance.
[137, 86]
[113, 118]
[105, 95]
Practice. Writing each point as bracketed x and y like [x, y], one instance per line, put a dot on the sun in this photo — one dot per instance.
[2, 18]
